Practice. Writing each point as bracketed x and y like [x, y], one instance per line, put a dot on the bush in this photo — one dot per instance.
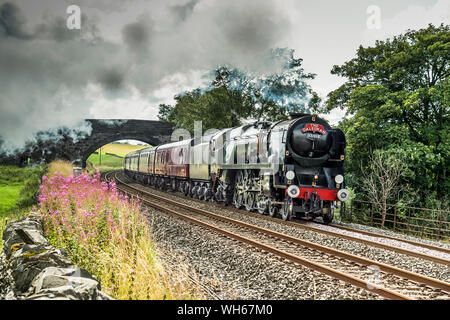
[58, 167]
[105, 233]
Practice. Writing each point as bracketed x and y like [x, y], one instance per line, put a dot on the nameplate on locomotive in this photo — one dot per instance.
[314, 127]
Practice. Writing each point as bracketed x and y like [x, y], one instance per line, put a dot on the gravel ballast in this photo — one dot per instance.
[403, 261]
[391, 242]
[238, 271]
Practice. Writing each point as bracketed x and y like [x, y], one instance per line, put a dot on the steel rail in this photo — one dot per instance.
[364, 261]
[377, 244]
[353, 238]
[282, 254]
[350, 237]
[377, 235]
[348, 278]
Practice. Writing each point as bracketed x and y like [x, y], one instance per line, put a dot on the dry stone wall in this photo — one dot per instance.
[32, 269]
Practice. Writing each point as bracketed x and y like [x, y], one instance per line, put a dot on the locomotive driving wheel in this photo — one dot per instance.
[287, 209]
[273, 210]
[262, 204]
[328, 216]
[238, 195]
[249, 200]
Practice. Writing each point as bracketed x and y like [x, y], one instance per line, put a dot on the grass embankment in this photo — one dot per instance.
[105, 162]
[18, 186]
[18, 192]
[105, 233]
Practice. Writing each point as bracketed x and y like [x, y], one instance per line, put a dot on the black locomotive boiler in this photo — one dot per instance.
[290, 168]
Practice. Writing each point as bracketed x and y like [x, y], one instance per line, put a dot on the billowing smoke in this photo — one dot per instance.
[53, 77]
[283, 83]
[44, 75]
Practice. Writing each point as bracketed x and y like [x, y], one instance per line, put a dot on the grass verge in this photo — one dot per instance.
[18, 192]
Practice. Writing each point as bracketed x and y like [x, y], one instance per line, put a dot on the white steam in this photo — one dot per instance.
[52, 77]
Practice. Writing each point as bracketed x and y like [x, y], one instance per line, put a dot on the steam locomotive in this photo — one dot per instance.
[290, 168]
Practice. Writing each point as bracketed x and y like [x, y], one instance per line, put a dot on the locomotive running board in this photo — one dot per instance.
[245, 166]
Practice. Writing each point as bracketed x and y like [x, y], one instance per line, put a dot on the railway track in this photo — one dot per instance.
[377, 235]
[387, 281]
[371, 242]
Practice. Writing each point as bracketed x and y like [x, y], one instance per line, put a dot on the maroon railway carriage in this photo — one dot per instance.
[157, 165]
[171, 161]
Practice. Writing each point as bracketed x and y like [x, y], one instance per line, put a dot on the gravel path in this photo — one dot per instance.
[402, 261]
[239, 271]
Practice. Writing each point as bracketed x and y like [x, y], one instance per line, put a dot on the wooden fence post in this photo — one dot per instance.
[351, 212]
[371, 215]
[408, 222]
[440, 225]
[395, 216]
[423, 228]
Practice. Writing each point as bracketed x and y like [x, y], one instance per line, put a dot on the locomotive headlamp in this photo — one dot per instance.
[293, 191]
[343, 195]
[339, 179]
[290, 175]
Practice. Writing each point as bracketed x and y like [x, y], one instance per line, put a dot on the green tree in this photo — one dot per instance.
[275, 95]
[235, 95]
[217, 108]
[165, 112]
[397, 97]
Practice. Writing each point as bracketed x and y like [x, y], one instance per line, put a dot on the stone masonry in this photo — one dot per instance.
[31, 269]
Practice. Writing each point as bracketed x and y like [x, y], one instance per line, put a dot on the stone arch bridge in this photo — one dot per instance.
[104, 131]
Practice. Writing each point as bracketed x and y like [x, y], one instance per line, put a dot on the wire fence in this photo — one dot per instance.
[419, 222]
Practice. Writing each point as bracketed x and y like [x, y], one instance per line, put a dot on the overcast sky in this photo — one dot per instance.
[132, 55]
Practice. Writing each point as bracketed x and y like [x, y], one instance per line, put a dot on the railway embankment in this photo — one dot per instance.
[32, 269]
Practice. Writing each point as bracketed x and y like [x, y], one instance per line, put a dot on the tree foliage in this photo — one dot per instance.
[217, 108]
[397, 99]
[235, 96]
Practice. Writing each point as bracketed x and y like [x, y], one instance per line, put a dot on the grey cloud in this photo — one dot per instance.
[107, 6]
[12, 21]
[46, 76]
[111, 79]
[136, 35]
[56, 29]
[251, 31]
[183, 11]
